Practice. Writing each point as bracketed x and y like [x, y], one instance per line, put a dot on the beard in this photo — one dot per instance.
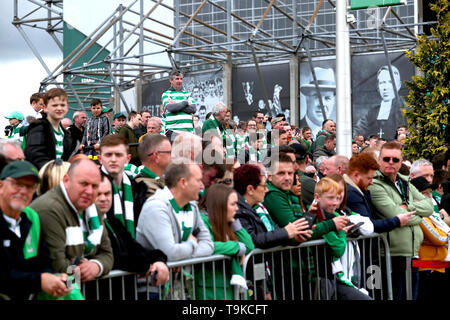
[362, 186]
[16, 206]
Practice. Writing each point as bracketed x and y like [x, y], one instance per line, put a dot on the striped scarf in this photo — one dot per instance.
[185, 218]
[91, 228]
[15, 133]
[59, 147]
[124, 213]
[264, 216]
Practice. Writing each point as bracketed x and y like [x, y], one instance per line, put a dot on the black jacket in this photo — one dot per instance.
[262, 238]
[20, 277]
[41, 142]
[129, 255]
[362, 204]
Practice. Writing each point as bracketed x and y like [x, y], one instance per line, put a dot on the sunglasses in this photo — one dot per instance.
[388, 159]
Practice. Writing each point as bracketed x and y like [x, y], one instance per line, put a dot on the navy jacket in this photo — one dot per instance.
[20, 277]
[362, 204]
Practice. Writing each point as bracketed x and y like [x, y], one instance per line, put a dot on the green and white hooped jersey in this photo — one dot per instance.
[59, 136]
[177, 121]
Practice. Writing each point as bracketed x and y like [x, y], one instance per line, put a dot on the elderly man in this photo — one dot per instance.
[155, 154]
[393, 194]
[77, 128]
[170, 219]
[336, 164]
[424, 168]
[10, 150]
[25, 266]
[213, 126]
[72, 225]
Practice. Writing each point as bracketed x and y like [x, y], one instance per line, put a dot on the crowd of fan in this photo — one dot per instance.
[105, 192]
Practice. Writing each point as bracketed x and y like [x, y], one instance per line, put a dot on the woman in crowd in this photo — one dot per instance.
[51, 174]
[219, 205]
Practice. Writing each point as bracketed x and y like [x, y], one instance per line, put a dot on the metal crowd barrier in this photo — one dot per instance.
[188, 281]
[303, 272]
[287, 273]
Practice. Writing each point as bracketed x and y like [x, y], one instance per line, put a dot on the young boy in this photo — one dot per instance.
[341, 253]
[46, 139]
[16, 123]
[96, 128]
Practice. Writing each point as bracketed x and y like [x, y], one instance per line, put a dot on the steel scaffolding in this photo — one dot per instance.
[200, 43]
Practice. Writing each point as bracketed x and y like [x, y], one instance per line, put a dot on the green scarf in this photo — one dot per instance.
[146, 172]
[182, 214]
[264, 216]
[30, 247]
[124, 213]
[91, 227]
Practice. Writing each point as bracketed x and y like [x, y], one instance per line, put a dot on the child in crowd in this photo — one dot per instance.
[16, 131]
[46, 139]
[341, 252]
[97, 127]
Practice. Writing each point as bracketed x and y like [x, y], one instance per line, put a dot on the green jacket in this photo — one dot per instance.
[406, 240]
[129, 134]
[320, 139]
[284, 208]
[228, 248]
[322, 151]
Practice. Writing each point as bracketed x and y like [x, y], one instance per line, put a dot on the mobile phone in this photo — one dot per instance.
[355, 227]
[153, 278]
[310, 218]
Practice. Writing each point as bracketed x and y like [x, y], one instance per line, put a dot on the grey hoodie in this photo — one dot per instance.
[158, 228]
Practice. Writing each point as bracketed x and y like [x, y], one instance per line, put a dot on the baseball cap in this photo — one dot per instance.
[15, 115]
[106, 109]
[19, 169]
[119, 115]
[422, 184]
[275, 120]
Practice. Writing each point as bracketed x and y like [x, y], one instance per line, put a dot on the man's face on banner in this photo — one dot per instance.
[313, 110]
[385, 85]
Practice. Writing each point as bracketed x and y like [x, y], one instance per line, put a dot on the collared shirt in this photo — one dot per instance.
[13, 224]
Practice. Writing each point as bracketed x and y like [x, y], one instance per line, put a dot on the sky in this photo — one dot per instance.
[20, 69]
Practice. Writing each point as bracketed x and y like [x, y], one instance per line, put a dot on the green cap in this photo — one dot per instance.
[119, 115]
[15, 115]
[19, 169]
[106, 109]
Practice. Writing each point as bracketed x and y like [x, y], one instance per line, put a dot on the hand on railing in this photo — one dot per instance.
[160, 273]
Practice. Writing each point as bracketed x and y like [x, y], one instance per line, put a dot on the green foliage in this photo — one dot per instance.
[429, 97]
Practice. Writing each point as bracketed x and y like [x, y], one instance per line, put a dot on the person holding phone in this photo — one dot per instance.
[342, 254]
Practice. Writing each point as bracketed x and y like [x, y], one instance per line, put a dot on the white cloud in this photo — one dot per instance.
[19, 80]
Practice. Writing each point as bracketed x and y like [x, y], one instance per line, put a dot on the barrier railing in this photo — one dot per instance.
[190, 279]
[286, 273]
[304, 271]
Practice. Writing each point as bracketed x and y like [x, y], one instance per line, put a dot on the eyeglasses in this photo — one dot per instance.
[388, 159]
[17, 185]
[159, 151]
[264, 186]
